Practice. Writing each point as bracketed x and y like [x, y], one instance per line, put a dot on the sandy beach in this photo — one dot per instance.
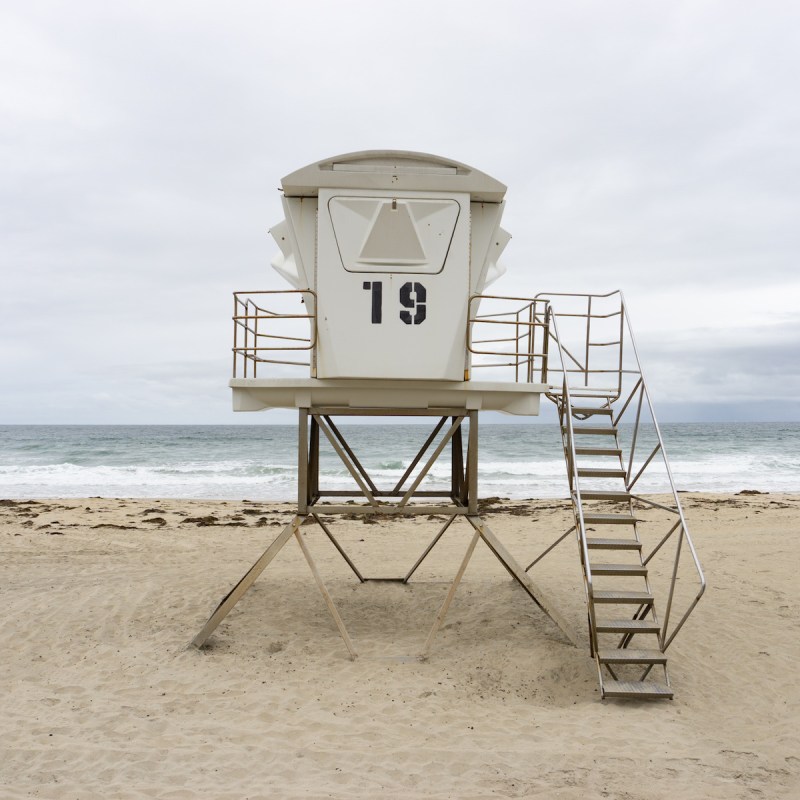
[103, 698]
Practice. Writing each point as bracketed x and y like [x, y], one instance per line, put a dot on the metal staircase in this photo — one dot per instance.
[624, 630]
[612, 446]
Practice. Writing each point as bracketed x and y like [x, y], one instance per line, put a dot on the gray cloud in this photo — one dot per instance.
[648, 147]
[757, 366]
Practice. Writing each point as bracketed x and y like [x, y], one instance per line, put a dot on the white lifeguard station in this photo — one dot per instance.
[387, 250]
[389, 254]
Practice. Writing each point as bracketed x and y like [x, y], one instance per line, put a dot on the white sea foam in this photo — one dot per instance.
[516, 461]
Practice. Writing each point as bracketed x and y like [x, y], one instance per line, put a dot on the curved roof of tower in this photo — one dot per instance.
[393, 169]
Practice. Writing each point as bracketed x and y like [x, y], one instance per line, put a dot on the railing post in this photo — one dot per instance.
[245, 306]
[546, 341]
[255, 345]
[531, 342]
[621, 343]
[235, 330]
[588, 338]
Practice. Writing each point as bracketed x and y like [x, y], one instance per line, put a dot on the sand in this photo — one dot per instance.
[102, 698]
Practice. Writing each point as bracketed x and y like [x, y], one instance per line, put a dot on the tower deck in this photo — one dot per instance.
[256, 394]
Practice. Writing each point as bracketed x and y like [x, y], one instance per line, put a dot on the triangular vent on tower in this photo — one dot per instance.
[392, 239]
[386, 234]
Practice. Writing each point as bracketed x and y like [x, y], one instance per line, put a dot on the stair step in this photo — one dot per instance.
[598, 430]
[639, 689]
[600, 472]
[595, 392]
[618, 569]
[598, 451]
[604, 494]
[627, 626]
[591, 410]
[609, 519]
[638, 598]
[595, 543]
[624, 655]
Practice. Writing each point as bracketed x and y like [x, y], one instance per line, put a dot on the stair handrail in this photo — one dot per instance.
[684, 535]
[566, 410]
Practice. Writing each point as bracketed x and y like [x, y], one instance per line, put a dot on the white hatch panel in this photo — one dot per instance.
[382, 234]
[392, 284]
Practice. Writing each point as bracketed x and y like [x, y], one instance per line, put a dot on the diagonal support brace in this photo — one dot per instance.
[234, 595]
[522, 577]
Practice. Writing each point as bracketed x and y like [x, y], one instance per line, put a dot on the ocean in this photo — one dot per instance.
[258, 462]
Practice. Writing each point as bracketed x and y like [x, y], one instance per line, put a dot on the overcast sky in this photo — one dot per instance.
[652, 147]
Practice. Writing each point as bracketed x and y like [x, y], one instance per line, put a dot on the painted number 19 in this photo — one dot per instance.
[412, 297]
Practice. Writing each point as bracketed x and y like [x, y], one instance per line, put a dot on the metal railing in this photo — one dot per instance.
[272, 336]
[590, 357]
[515, 338]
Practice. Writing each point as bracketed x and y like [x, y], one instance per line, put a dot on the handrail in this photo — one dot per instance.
[524, 322]
[683, 524]
[251, 319]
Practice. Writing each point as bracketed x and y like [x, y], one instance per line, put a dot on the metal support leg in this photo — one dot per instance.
[457, 485]
[325, 594]
[313, 463]
[472, 463]
[450, 594]
[235, 594]
[302, 462]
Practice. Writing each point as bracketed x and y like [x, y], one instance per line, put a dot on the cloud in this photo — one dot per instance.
[652, 148]
[744, 373]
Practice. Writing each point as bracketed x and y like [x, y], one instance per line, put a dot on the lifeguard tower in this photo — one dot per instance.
[389, 254]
